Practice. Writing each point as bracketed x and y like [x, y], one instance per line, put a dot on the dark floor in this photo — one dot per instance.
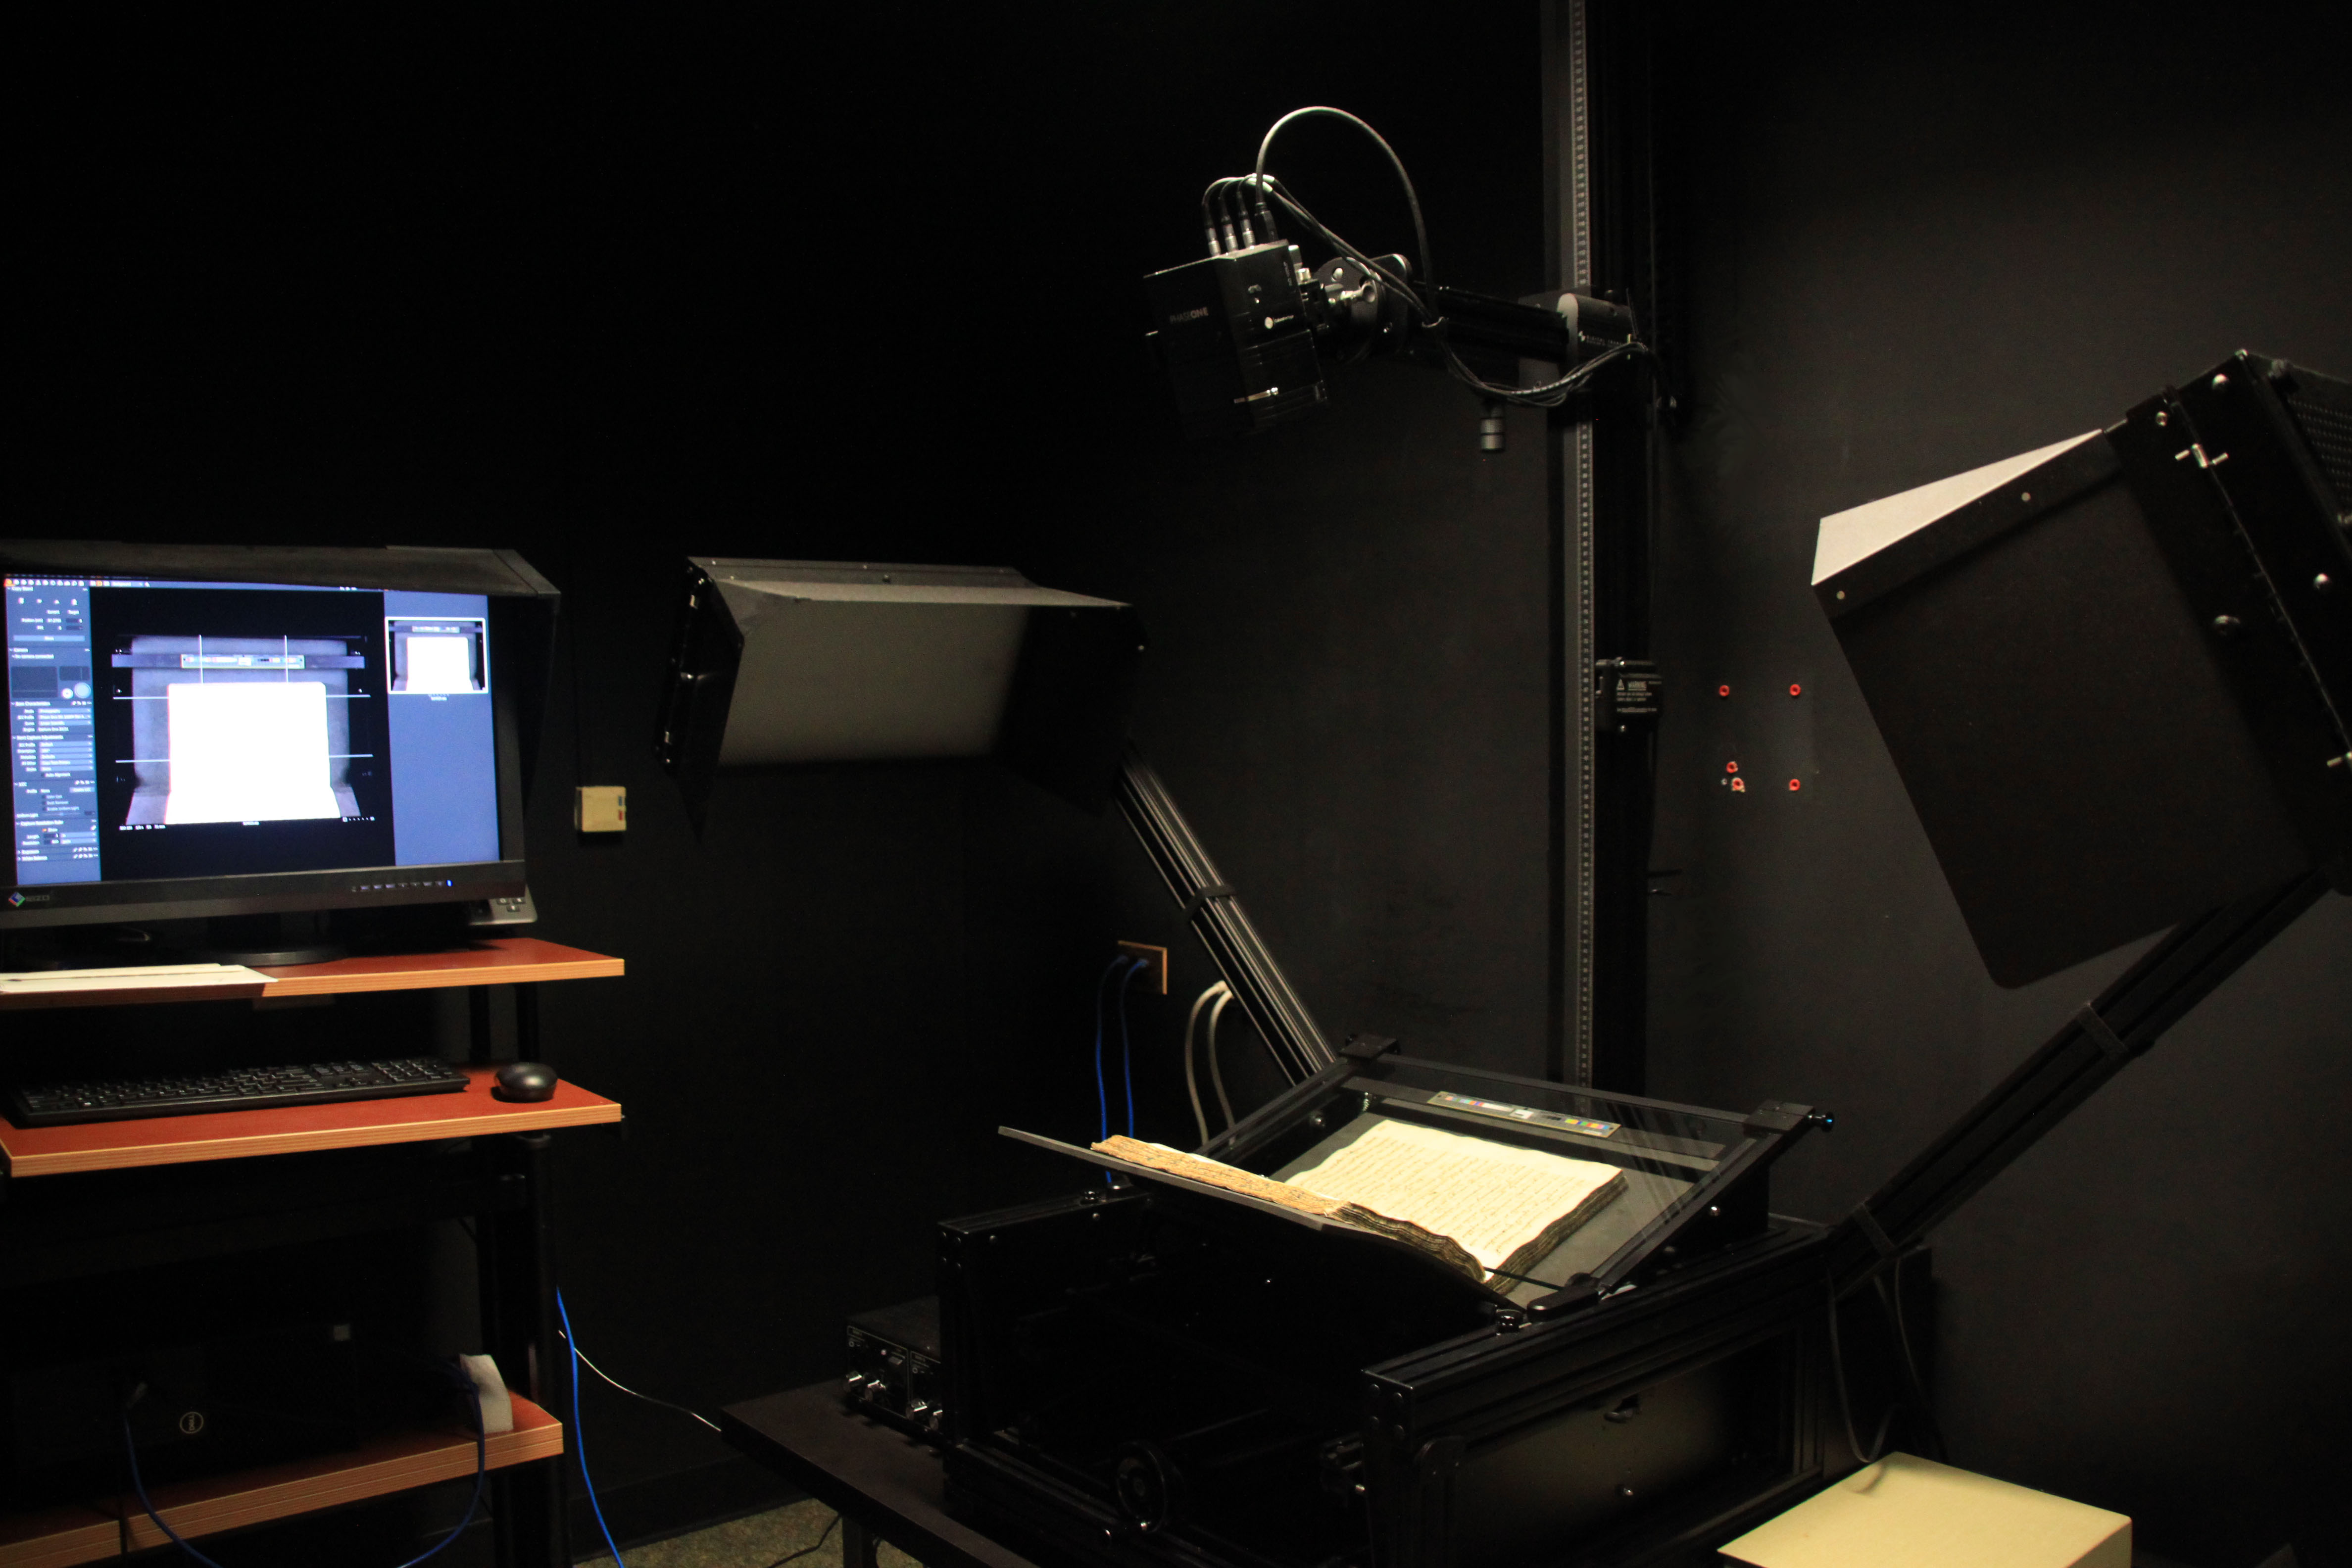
[755, 1541]
[763, 1540]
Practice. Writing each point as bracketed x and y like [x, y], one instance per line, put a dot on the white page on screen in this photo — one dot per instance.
[440, 664]
[249, 751]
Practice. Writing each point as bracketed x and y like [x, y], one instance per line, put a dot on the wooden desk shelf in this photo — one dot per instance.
[57, 1537]
[503, 1185]
[28, 1151]
[503, 960]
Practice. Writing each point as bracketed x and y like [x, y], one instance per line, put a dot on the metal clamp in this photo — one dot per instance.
[1192, 906]
[1874, 1233]
[2087, 1019]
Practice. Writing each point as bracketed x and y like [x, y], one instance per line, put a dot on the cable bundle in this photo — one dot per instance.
[1125, 969]
[1222, 994]
[1228, 227]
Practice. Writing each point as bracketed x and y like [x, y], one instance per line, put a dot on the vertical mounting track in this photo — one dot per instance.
[1601, 239]
[1570, 1051]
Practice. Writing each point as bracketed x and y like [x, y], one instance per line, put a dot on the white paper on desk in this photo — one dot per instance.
[138, 977]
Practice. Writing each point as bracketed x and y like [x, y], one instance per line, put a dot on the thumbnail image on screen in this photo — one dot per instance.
[445, 658]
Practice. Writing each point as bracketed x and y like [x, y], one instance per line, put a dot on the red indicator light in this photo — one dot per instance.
[1723, 691]
[1796, 690]
[1740, 786]
[1731, 767]
[1795, 784]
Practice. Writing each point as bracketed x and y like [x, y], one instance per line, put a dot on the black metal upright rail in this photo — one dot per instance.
[1602, 206]
[1215, 914]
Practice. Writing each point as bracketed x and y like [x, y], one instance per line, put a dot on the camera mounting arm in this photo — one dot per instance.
[1245, 331]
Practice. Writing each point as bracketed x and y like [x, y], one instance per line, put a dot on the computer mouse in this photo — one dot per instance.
[526, 1081]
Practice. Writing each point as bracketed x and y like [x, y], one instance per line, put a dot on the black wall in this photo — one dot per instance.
[1917, 246]
[637, 288]
[644, 285]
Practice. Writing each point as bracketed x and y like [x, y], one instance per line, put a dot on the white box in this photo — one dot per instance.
[1909, 1512]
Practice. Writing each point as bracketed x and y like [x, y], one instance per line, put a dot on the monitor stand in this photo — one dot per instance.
[251, 940]
[267, 942]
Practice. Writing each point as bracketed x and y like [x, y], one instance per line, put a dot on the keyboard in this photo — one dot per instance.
[237, 1088]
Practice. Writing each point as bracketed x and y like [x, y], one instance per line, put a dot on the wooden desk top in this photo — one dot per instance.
[873, 1473]
[293, 1128]
[500, 961]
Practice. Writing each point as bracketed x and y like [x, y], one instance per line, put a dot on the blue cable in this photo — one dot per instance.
[579, 1443]
[481, 1474]
[473, 1504]
[1102, 1094]
[140, 1486]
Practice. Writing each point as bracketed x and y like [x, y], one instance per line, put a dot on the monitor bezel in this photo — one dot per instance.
[523, 607]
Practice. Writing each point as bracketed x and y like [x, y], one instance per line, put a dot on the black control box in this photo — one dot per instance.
[1632, 694]
[209, 1366]
[894, 1367]
[226, 1402]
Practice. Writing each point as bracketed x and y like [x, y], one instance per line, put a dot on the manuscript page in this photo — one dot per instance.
[1494, 1199]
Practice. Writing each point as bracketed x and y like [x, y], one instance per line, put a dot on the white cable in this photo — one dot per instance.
[1192, 1071]
[1217, 1073]
[633, 1393]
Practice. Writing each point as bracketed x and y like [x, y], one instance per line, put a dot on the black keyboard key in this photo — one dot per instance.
[245, 1089]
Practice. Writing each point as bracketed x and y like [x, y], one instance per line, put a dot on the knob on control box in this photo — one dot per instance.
[894, 1367]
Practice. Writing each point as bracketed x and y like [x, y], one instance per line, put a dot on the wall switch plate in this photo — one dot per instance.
[1155, 977]
[600, 808]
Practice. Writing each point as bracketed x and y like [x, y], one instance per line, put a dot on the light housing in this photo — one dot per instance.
[787, 663]
[2115, 673]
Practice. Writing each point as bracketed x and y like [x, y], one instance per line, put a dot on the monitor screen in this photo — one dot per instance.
[192, 747]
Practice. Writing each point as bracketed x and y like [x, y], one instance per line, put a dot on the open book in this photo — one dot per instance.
[1486, 1208]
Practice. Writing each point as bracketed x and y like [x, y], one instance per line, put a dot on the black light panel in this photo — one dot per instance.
[2113, 672]
[780, 663]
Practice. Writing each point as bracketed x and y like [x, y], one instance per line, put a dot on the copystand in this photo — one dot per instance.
[85, 1201]
[1163, 1371]
[1153, 1373]
[2116, 678]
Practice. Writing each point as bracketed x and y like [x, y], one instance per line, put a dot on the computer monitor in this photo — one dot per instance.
[217, 732]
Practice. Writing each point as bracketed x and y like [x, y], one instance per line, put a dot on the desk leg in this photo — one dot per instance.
[516, 1250]
[526, 998]
[857, 1545]
[482, 1030]
[480, 1038]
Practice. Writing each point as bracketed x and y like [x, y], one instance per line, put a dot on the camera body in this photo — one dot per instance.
[1236, 336]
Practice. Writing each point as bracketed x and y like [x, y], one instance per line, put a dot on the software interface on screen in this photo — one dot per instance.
[170, 730]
